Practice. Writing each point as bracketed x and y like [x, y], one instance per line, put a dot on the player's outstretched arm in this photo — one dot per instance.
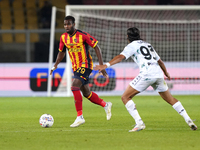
[59, 58]
[164, 69]
[115, 60]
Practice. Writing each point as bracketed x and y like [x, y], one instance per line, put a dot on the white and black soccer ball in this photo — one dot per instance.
[46, 120]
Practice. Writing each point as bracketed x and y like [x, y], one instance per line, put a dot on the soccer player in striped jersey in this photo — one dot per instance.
[77, 43]
[151, 74]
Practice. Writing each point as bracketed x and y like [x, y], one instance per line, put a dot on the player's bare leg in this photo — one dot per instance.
[178, 107]
[131, 108]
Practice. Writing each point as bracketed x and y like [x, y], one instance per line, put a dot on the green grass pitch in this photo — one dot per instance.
[165, 128]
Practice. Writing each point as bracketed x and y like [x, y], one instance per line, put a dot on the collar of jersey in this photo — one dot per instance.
[73, 33]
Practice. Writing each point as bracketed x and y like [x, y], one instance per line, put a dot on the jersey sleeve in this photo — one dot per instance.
[61, 44]
[128, 51]
[90, 40]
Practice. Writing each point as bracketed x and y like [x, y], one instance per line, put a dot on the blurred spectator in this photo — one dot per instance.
[45, 14]
[75, 2]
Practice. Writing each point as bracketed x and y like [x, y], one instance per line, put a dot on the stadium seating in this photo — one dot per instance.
[40, 3]
[19, 14]
[59, 3]
[6, 37]
[32, 19]
[30, 4]
[23, 14]
[6, 21]
[4, 4]
[19, 23]
[17, 4]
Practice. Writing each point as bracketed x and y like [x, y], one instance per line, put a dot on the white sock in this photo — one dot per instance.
[130, 106]
[180, 109]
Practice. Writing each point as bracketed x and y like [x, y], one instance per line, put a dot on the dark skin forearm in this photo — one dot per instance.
[99, 56]
[164, 69]
[116, 59]
[59, 58]
[98, 53]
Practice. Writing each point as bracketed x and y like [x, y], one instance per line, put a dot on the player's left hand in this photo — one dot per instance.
[104, 73]
[101, 68]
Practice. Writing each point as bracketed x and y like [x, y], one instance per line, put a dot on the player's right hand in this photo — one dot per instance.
[52, 69]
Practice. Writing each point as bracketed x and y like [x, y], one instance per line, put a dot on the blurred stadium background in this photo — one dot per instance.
[24, 56]
[25, 33]
[23, 29]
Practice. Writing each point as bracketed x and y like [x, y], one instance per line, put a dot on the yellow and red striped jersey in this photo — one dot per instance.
[77, 45]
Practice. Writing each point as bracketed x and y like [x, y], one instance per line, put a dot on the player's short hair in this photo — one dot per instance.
[133, 34]
[70, 18]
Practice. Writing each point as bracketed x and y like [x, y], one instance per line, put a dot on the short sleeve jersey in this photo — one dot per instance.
[78, 48]
[145, 57]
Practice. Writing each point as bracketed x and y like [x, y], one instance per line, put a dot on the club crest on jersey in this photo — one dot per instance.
[75, 40]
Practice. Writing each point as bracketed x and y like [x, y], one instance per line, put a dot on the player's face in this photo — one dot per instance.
[69, 26]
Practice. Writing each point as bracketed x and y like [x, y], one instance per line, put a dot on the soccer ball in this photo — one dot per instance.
[46, 120]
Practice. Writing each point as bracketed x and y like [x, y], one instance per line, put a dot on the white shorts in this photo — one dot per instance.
[141, 83]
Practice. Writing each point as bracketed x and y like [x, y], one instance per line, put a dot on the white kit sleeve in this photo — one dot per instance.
[128, 51]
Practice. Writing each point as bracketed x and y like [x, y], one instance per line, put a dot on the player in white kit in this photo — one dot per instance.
[151, 74]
